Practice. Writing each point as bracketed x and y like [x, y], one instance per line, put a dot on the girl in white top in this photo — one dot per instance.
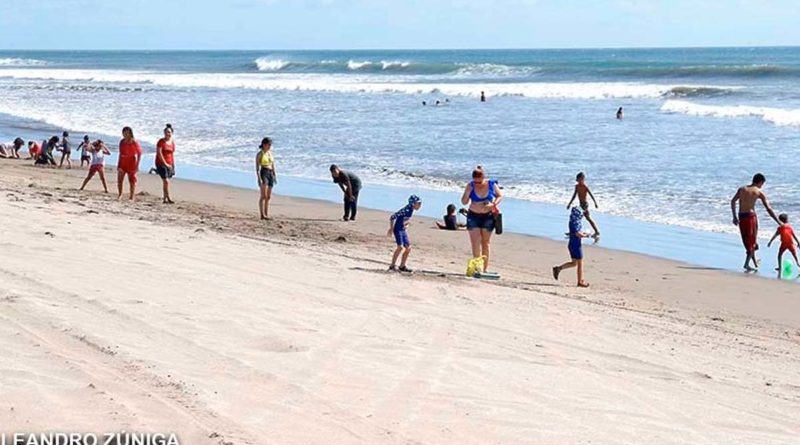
[98, 151]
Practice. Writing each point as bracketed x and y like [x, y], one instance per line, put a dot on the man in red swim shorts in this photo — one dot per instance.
[130, 154]
[746, 218]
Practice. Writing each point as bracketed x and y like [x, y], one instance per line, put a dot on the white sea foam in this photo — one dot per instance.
[495, 70]
[13, 61]
[363, 84]
[777, 116]
[268, 64]
[389, 64]
[354, 65]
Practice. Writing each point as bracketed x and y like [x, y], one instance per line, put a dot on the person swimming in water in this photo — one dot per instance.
[619, 113]
[483, 96]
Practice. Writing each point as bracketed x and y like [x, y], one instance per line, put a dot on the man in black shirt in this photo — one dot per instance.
[351, 186]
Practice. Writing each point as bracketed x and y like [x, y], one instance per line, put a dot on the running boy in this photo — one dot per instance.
[98, 152]
[575, 247]
[398, 224]
[788, 240]
[581, 192]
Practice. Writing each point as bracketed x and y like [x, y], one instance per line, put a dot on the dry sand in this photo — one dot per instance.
[201, 320]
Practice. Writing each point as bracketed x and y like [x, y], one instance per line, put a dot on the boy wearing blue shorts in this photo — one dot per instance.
[398, 224]
[575, 247]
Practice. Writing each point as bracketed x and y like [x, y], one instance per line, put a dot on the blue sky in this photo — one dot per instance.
[345, 24]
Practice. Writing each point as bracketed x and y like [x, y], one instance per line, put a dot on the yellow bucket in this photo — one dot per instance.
[475, 265]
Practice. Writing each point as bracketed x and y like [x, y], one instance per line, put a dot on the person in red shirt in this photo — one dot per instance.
[130, 154]
[788, 240]
[165, 161]
[34, 150]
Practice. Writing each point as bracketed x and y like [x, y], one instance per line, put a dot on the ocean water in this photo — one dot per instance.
[698, 122]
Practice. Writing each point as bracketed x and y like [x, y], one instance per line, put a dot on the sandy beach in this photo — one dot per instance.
[199, 319]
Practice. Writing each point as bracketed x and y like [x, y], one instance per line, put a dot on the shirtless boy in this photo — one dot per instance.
[581, 192]
[747, 220]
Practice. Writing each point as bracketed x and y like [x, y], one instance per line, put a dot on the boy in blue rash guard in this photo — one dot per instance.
[575, 247]
[398, 223]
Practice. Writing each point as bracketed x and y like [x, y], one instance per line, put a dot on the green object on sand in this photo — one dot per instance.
[787, 269]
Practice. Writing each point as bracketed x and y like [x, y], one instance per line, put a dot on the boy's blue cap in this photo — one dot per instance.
[413, 199]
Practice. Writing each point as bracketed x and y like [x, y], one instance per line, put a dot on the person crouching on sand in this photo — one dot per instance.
[747, 220]
[267, 177]
[34, 150]
[11, 150]
[788, 241]
[97, 152]
[398, 226]
[575, 247]
[130, 155]
[165, 161]
[45, 157]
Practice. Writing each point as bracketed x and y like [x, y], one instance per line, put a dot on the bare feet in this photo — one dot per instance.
[556, 272]
[583, 284]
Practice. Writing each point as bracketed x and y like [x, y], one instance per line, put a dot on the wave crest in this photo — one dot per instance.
[267, 64]
[775, 116]
[13, 61]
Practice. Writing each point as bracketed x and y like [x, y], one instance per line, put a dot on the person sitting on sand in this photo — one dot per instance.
[581, 192]
[267, 177]
[747, 220]
[398, 225]
[97, 151]
[84, 149]
[34, 150]
[351, 187]
[788, 241]
[575, 247]
[66, 151]
[483, 195]
[130, 155]
[451, 220]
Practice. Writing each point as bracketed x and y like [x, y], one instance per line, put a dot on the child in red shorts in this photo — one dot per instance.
[788, 240]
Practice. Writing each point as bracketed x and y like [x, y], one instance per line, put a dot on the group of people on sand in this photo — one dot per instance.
[481, 198]
[93, 153]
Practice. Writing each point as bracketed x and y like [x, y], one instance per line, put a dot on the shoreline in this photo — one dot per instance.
[538, 219]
